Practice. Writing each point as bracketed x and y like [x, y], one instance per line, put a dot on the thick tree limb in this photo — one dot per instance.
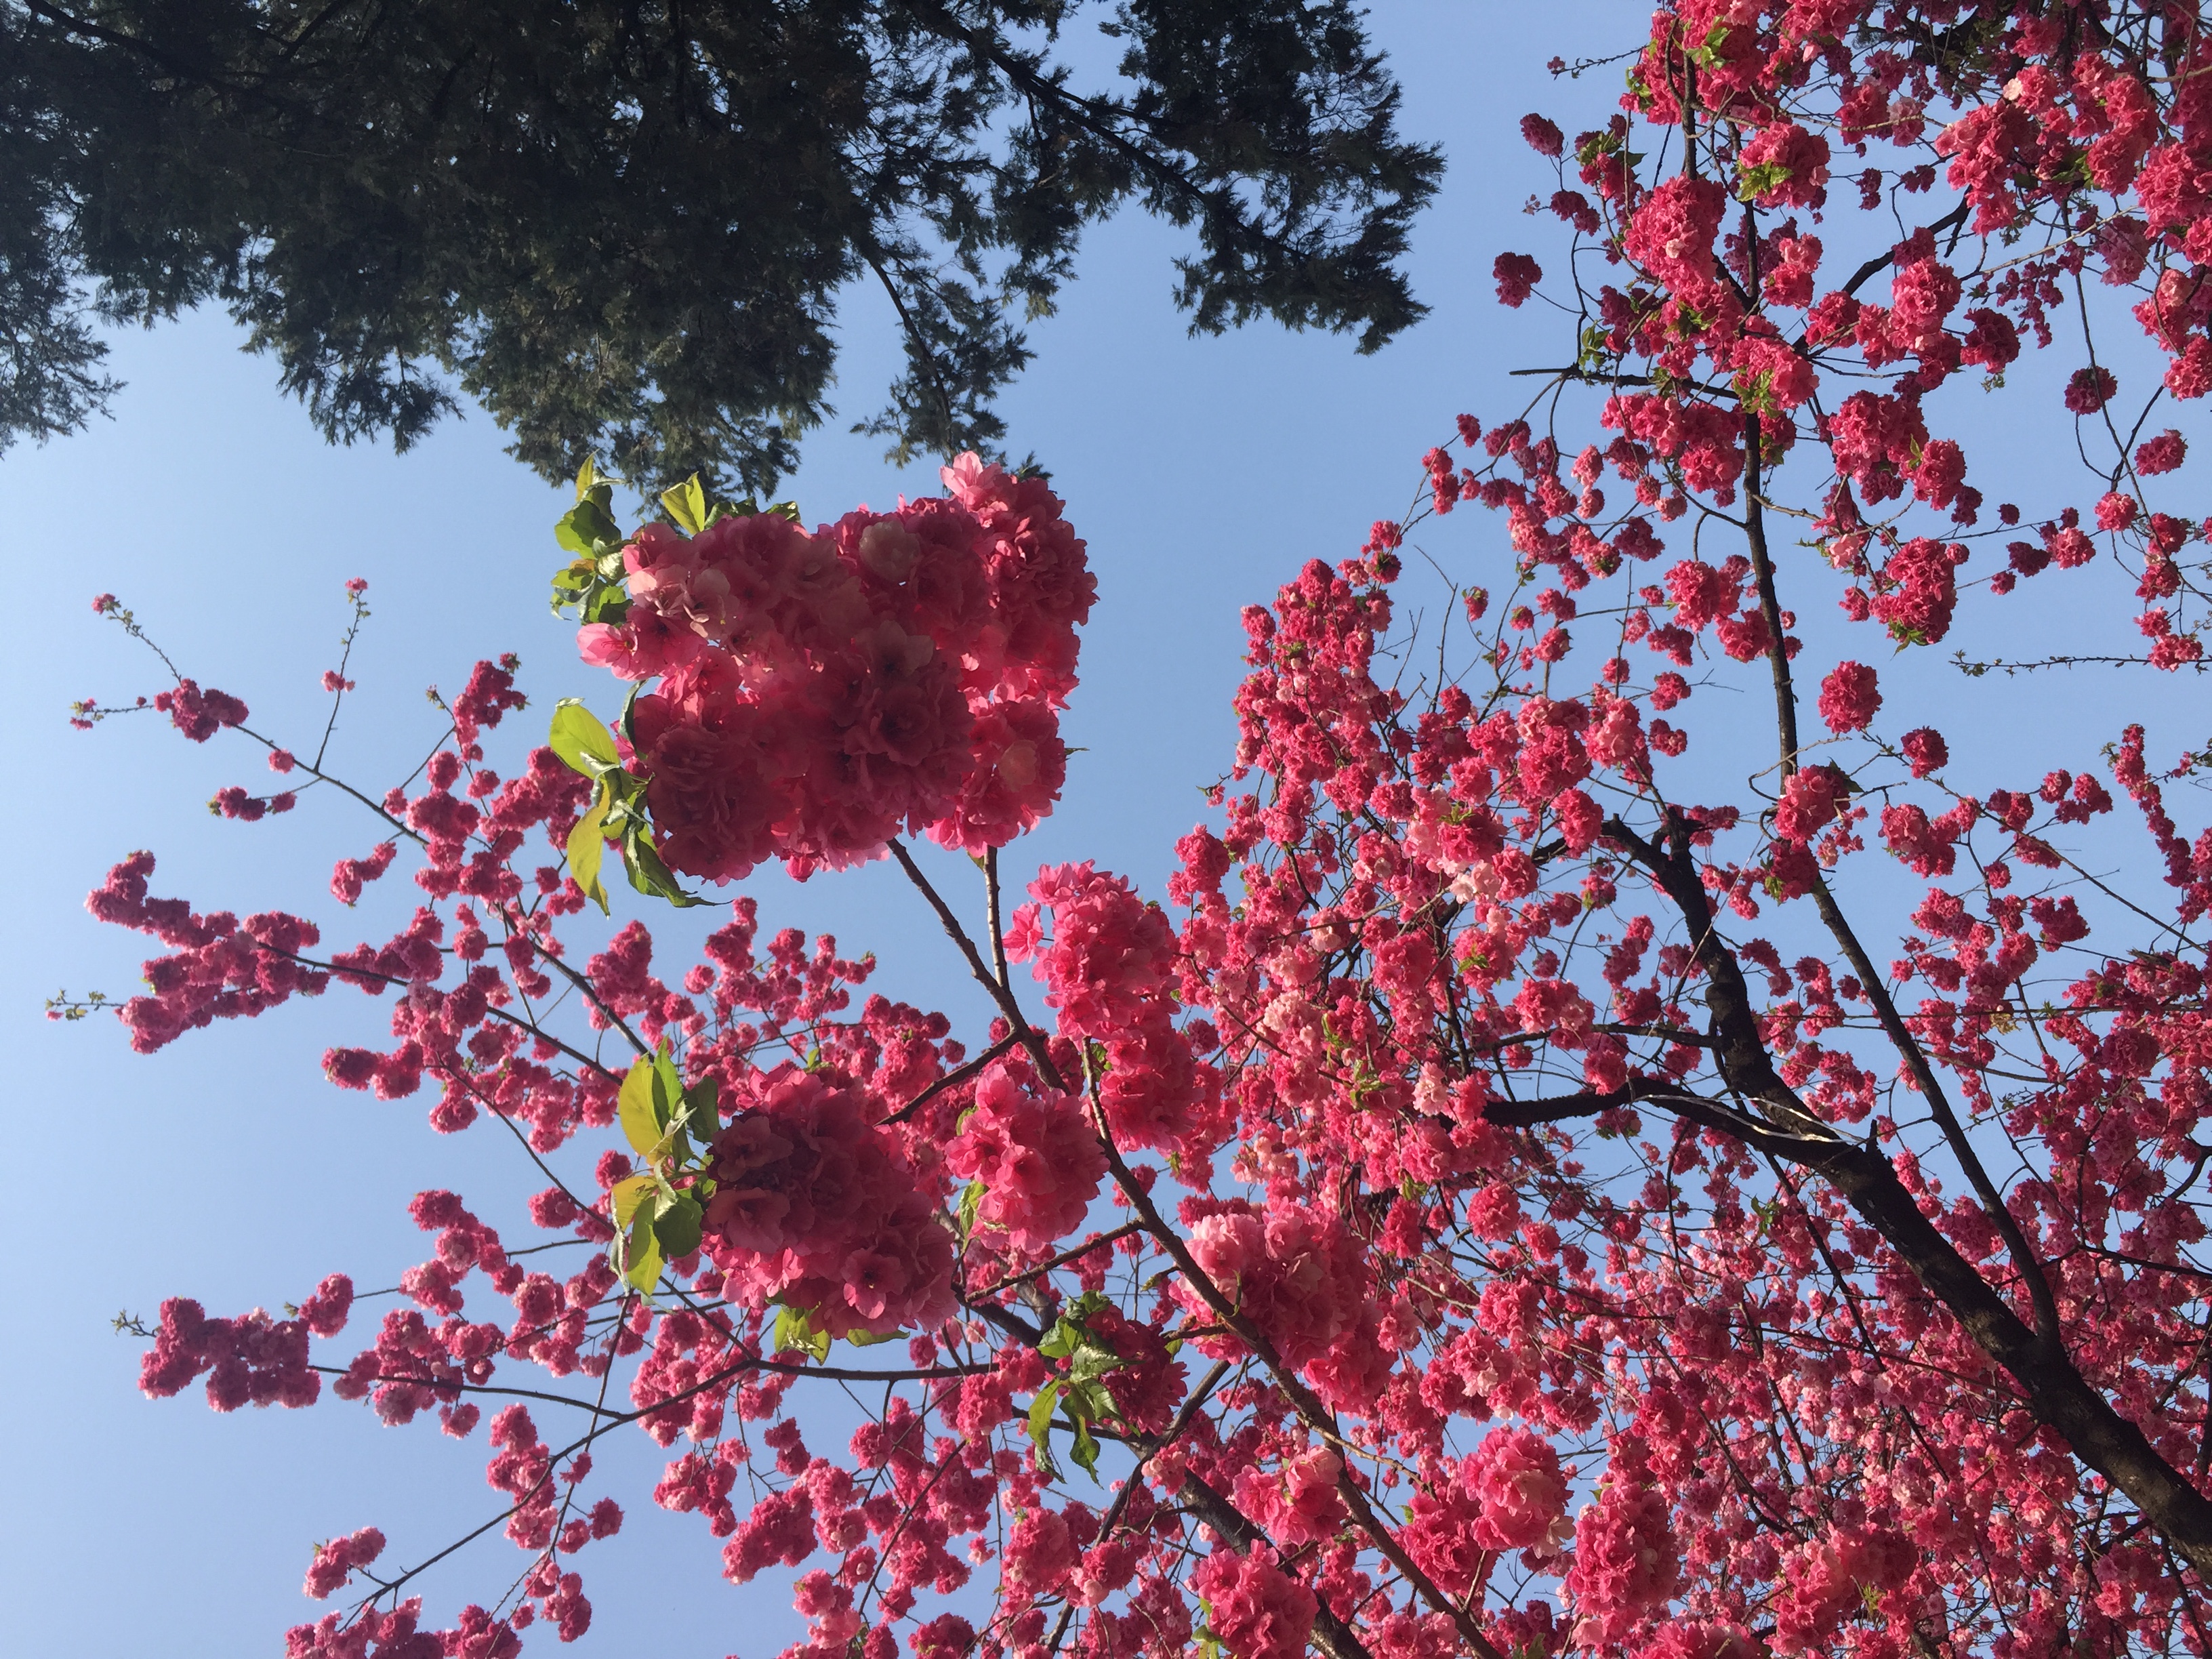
[2052, 1387]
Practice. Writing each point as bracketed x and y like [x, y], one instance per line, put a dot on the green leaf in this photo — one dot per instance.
[648, 873]
[970, 1197]
[628, 1194]
[1087, 1450]
[580, 738]
[1090, 1361]
[1758, 180]
[869, 1339]
[587, 850]
[634, 1253]
[1089, 1402]
[677, 1223]
[687, 505]
[641, 1268]
[1041, 1424]
[702, 1110]
[586, 475]
[634, 1106]
[588, 527]
[667, 1086]
[797, 1333]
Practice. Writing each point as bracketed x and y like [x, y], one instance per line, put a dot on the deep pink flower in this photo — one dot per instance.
[1848, 697]
[1517, 275]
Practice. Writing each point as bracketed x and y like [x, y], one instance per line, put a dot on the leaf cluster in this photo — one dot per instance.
[659, 1213]
[1077, 1393]
[618, 811]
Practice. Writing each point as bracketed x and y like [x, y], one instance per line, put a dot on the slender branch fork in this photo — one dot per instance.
[1340, 1641]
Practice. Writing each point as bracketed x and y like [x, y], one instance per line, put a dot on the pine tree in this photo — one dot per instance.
[626, 228]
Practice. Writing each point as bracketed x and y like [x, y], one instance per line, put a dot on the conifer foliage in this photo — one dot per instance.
[627, 230]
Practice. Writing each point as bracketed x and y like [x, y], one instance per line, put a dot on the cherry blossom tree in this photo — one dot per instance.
[1555, 1175]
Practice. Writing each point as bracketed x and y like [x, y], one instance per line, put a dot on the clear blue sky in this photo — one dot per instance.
[1202, 473]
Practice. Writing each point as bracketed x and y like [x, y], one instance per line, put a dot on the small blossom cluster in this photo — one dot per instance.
[250, 1360]
[1034, 1154]
[818, 693]
[814, 1209]
[1110, 969]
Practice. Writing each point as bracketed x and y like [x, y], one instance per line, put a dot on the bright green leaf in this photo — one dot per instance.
[641, 1259]
[702, 1110]
[667, 1086]
[587, 526]
[649, 875]
[1088, 1402]
[628, 1194]
[635, 1107]
[634, 1253]
[1040, 1423]
[587, 849]
[1091, 1360]
[797, 1333]
[1087, 1450]
[676, 1224]
[581, 739]
[687, 505]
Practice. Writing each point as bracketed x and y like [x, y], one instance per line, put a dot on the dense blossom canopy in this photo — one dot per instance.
[1524, 1193]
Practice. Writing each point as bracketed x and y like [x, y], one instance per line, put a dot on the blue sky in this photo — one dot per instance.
[1202, 473]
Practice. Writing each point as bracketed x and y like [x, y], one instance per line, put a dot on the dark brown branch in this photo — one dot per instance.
[1769, 603]
[1593, 377]
[1060, 1260]
[1029, 1037]
[2056, 1391]
[2024, 1259]
[1880, 261]
[951, 1079]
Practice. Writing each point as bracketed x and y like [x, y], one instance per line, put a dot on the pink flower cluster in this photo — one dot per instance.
[200, 715]
[1034, 1150]
[1109, 969]
[334, 1562]
[1259, 1611]
[250, 1360]
[218, 968]
[1626, 1562]
[1297, 1503]
[369, 1634]
[815, 1209]
[821, 693]
[1291, 1269]
[1509, 1494]
[1519, 1491]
